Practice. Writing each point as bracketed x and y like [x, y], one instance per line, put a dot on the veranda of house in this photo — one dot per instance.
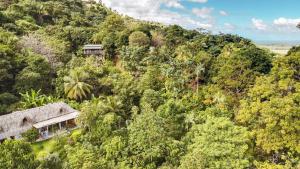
[56, 126]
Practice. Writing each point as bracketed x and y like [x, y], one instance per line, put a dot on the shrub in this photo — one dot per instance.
[31, 135]
[139, 38]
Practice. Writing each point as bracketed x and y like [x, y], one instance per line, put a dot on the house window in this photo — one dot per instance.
[61, 110]
[25, 121]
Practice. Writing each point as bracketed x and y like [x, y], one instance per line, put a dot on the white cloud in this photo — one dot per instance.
[151, 10]
[286, 25]
[199, 1]
[174, 4]
[201, 25]
[223, 13]
[259, 24]
[286, 22]
[203, 13]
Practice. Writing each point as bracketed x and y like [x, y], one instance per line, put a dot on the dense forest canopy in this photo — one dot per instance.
[164, 97]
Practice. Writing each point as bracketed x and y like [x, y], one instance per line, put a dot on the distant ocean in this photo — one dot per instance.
[284, 43]
[279, 47]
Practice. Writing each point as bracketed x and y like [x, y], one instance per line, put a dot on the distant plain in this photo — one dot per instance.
[281, 48]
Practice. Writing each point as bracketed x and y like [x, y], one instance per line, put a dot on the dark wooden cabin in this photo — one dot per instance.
[96, 50]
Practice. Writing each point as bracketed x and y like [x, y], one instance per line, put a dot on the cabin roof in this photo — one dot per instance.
[18, 122]
[92, 47]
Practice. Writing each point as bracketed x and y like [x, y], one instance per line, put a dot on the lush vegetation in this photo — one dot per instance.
[164, 97]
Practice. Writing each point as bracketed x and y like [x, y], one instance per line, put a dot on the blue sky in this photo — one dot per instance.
[259, 20]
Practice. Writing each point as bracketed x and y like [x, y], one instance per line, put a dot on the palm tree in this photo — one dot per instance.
[75, 87]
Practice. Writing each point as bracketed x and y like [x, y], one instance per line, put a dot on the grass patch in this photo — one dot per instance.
[43, 148]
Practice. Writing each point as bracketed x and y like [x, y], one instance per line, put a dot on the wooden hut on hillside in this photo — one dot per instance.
[91, 49]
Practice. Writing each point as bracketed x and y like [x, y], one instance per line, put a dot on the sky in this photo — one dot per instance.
[258, 20]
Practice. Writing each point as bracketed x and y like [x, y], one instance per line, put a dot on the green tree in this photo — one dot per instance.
[149, 144]
[16, 154]
[261, 61]
[101, 118]
[75, 87]
[8, 60]
[133, 57]
[139, 38]
[36, 75]
[271, 111]
[172, 112]
[113, 24]
[217, 144]
[151, 79]
[234, 74]
[7, 101]
[109, 45]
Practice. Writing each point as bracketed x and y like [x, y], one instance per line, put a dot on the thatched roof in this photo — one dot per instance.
[19, 122]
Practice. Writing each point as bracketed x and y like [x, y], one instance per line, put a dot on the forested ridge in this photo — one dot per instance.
[164, 97]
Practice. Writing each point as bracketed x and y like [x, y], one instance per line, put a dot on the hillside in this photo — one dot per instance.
[164, 96]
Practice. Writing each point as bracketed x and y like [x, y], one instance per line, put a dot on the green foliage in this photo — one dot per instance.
[260, 59]
[102, 118]
[31, 135]
[75, 87]
[26, 26]
[175, 35]
[148, 140]
[82, 157]
[109, 45]
[234, 74]
[133, 57]
[217, 143]
[51, 161]
[7, 99]
[173, 114]
[151, 79]
[35, 99]
[36, 75]
[138, 39]
[112, 24]
[16, 155]
[163, 97]
[271, 109]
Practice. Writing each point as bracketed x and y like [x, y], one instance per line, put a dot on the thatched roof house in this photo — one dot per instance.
[16, 123]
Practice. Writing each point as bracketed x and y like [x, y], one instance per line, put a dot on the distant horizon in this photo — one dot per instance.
[281, 42]
[253, 19]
